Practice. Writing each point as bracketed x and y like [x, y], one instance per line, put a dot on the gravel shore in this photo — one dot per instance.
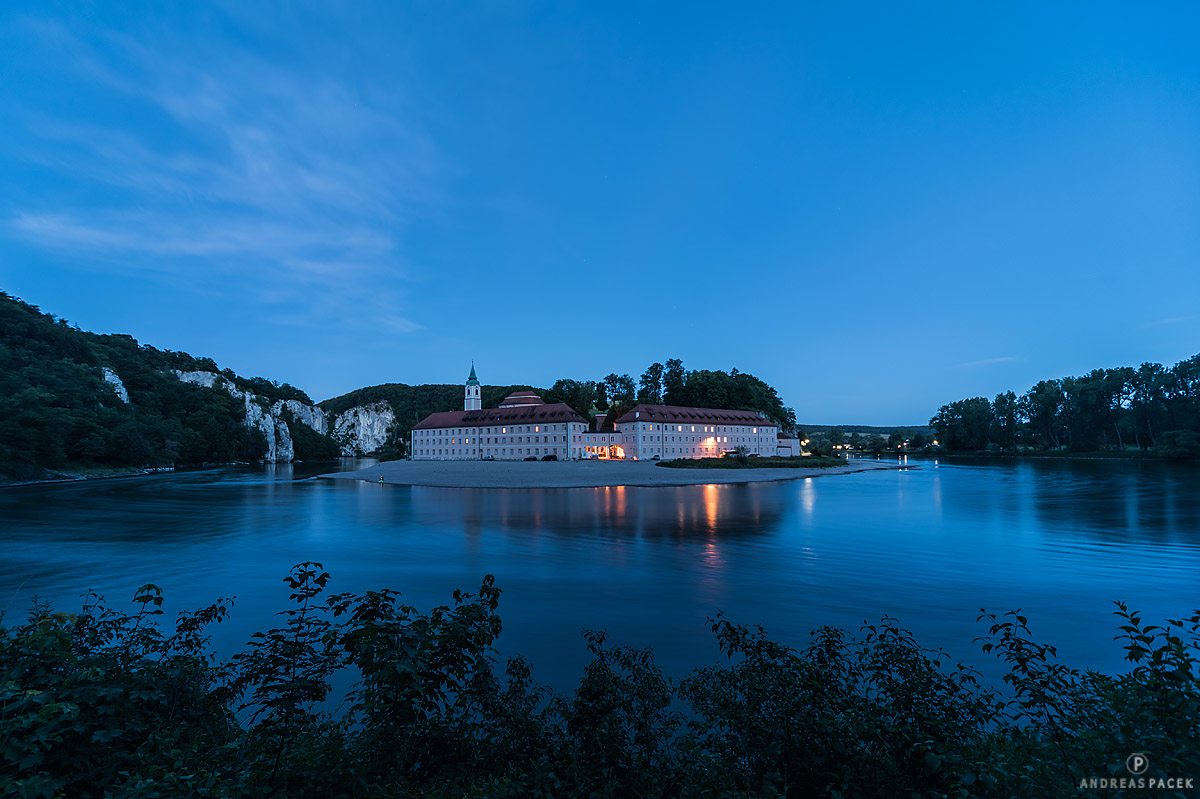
[577, 474]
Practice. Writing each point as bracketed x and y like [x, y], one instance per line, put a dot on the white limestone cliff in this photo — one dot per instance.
[312, 416]
[363, 429]
[360, 430]
[113, 380]
[258, 417]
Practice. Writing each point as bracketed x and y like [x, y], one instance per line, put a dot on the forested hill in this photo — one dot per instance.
[1151, 409]
[61, 410]
[411, 404]
[79, 402]
[668, 384]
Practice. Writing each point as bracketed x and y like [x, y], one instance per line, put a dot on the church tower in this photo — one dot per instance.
[472, 401]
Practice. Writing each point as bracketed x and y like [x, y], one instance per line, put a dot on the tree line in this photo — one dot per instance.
[672, 384]
[824, 442]
[1151, 409]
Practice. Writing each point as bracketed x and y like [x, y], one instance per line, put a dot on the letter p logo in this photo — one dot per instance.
[1137, 763]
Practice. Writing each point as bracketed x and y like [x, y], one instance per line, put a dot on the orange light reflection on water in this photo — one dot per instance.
[711, 501]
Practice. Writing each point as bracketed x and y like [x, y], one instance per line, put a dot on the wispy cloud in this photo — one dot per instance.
[234, 168]
[1169, 321]
[985, 362]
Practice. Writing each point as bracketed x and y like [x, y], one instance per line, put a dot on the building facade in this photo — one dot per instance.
[524, 426]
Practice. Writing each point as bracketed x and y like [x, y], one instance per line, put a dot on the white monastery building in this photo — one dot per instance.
[526, 427]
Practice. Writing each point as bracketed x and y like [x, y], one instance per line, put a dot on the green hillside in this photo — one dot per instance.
[57, 413]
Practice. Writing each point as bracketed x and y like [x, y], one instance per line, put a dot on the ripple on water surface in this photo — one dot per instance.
[930, 546]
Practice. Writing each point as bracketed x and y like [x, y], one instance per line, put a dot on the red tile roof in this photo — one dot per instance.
[682, 415]
[525, 414]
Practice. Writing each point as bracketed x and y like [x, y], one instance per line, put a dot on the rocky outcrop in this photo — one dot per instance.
[259, 416]
[307, 414]
[113, 380]
[360, 430]
[363, 429]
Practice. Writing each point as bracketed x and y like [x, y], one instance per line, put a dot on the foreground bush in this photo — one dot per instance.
[100, 703]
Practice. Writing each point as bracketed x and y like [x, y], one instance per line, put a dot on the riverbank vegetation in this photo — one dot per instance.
[1151, 410]
[101, 703]
[735, 462]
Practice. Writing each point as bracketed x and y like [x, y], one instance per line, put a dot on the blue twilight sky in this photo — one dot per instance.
[876, 209]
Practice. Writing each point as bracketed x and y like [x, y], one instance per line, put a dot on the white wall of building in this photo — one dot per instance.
[670, 440]
[642, 440]
[500, 442]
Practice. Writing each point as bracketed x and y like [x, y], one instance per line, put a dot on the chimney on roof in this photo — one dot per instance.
[600, 417]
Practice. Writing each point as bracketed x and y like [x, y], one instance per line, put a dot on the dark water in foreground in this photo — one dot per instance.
[929, 546]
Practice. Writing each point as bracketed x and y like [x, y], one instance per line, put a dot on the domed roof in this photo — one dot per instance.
[521, 398]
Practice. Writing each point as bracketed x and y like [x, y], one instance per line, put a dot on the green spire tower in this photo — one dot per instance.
[472, 400]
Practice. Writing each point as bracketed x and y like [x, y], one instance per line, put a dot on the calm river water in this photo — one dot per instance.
[929, 545]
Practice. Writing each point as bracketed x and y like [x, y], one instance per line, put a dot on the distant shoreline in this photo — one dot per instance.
[80, 477]
[1138, 457]
[579, 474]
[132, 471]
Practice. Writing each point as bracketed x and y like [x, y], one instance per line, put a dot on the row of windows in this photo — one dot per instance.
[518, 428]
[500, 452]
[715, 439]
[464, 431]
[494, 440]
[679, 428]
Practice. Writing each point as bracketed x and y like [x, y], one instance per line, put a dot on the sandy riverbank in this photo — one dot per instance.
[577, 474]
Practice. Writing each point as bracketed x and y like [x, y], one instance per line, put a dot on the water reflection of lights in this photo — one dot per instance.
[702, 512]
[808, 496]
[710, 506]
[712, 556]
